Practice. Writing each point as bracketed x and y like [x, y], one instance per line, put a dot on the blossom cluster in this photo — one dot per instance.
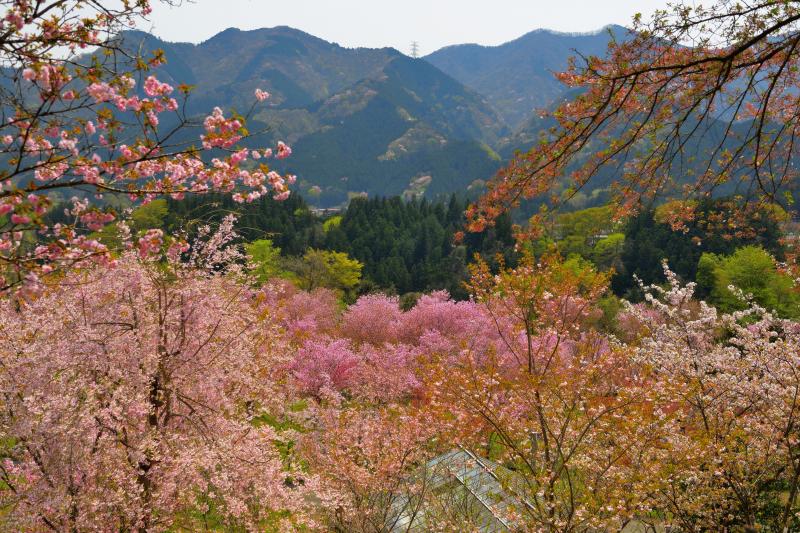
[91, 152]
[99, 127]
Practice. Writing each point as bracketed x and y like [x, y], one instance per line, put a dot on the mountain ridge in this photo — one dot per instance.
[558, 33]
[517, 77]
[374, 120]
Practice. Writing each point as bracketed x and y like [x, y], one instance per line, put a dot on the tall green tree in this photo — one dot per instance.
[650, 239]
[267, 261]
[334, 270]
[753, 271]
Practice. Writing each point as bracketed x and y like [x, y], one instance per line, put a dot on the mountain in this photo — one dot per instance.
[297, 68]
[409, 129]
[368, 121]
[375, 121]
[517, 77]
[713, 135]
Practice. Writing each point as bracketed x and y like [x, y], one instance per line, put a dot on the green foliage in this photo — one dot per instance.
[408, 246]
[577, 266]
[649, 242]
[607, 253]
[108, 235]
[267, 261]
[580, 229]
[290, 224]
[148, 216]
[404, 246]
[333, 222]
[145, 217]
[409, 300]
[610, 306]
[334, 270]
[752, 270]
[706, 276]
[588, 233]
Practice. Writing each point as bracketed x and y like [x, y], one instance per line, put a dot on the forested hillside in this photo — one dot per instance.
[404, 246]
[363, 121]
[517, 77]
[408, 247]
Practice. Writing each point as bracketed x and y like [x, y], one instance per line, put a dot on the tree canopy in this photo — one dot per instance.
[696, 100]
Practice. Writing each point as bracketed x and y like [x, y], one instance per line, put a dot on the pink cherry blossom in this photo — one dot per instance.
[153, 87]
[283, 150]
[150, 243]
[326, 364]
[130, 391]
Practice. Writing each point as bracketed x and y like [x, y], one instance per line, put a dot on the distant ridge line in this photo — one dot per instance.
[575, 33]
[557, 33]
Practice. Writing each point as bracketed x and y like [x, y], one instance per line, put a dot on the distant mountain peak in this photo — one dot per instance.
[616, 29]
[517, 76]
[613, 27]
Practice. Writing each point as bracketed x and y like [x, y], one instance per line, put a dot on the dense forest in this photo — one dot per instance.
[410, 247]
[404, 246]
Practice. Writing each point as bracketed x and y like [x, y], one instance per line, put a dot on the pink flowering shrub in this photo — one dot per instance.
[690, 417]
[689, 397]
[373, 319]
[327, 368]
[302, 314]
[466, 325]
[378, 347]
[437, 312]
[326, 365]
[377, 320]
[634, 319]
[388, 373]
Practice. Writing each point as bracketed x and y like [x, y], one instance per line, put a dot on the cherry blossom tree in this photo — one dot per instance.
[538, 305]
[326, 367]
[374, 353]
[373, 319]
[561, 407]
[83, 113]
[368, 457]
[726, 398]
[131, 400]
[302, 315]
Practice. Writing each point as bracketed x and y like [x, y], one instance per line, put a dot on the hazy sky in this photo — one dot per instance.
[378, 23]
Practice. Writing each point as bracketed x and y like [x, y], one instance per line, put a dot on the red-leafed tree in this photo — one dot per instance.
[699, 99]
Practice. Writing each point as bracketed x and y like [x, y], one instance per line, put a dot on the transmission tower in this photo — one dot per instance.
[415, 49]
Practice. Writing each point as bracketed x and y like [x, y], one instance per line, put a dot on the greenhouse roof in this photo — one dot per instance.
[475, 484]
